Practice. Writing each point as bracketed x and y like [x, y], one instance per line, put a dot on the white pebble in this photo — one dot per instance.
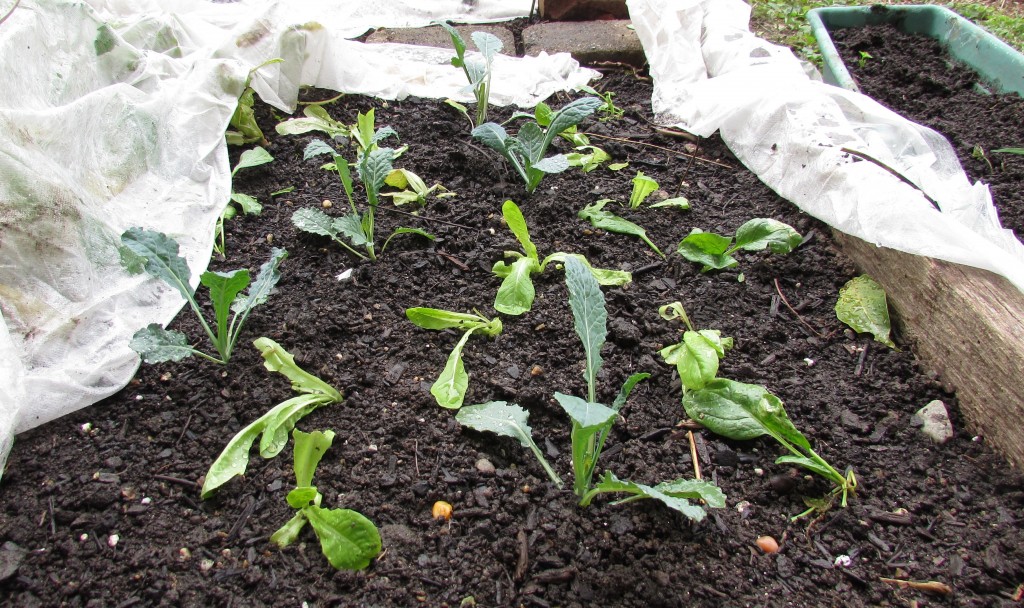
[112, 540]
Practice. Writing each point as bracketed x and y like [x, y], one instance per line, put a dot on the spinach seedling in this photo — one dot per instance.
[478, 73]
[516, 293]
[157, 254]
[273, 427]
[591, 421]
[715, 251]
[606, 220]
[745, 411]
[450, 387]
[348, 539]
[697, 355]
[373, 169]
[862, 305]
[525, 151]
[248, 204]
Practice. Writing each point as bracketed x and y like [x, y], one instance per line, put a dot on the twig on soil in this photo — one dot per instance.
[693, 454]
[933, 587]
[416, 455]
[53, 522]
[657, 147]
[894, 172]
[177, 480]
[523, 562]
[676, 133]
[860, 361]
[427, 219]
[648, 268]
[792, 310]
[183, 430]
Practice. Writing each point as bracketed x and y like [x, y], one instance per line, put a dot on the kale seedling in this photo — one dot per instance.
[157, 255]
[477, 73]
[347, 538]
[525, 151]
[273, 427]
[591, 421]
[373, 169]
[715, 251]
[450, 387]
[606, 220]
[516, 293]
[248, 204]
[587, 156]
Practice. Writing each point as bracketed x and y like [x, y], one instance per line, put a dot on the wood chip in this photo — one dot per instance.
[932, 587]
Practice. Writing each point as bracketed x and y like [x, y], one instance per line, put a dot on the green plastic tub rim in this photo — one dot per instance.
[998, 64]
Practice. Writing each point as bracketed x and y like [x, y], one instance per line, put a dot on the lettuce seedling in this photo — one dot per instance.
[516, 293]
[696, 357]
[373, 169]
[608, 109]
[450, 387]
[273, 427]
[606, 220]
[643, 187]
[157, 254]
[348, 539]
[745, 411]
[248, 204]
[477, 73]
[412, 188]
[242, 128]
[315, 118]
[715, 251]
[525, 151]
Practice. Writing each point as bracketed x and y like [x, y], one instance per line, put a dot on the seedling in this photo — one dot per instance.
[715, 251]
[315, 118]
[348, 539]
[697, 355]
[587, 156]
[862, 305]
[248, 204]
[516, 293]
[243, 121]
[157, 255]
[525, 151]
[862, 60]
[450, 387]
[477, 73]
[608, 109]
[273, 427]
[412, 188]
[374, 167]
[643, 187]
[591, 421]
[606, 220]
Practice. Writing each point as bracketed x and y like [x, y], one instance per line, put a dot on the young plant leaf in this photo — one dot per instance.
[679, 202]
[517, 224]
[862, 305]
[309, 450]
[674, 494]
[696, 357]
[606, 220]
[252, 158]
[348, 539]
[643, 187]
[516, 292]
[277, 359]
[406, 230]
[590, 318]
[506, 420]
[224, 288]
[156, 344]
[450, 387]
[287, 533]
[586, 414]
[724, 406]
[161, 259]
[316, 119]
[249, 205]
[317, 147]
[761, 233]
[707, 248]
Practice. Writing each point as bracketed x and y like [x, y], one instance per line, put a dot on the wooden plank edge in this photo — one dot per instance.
[965, 324]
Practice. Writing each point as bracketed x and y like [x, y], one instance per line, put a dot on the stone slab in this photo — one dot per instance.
[590, 42]
[436, 36]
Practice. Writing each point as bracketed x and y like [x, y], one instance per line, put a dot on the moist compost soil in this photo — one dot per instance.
[102, 507]
[915, 76]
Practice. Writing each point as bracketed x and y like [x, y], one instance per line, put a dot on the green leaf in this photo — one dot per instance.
[678, 202]
[252, 158]
[374, 169]
[1010, 150]
[627, 388]
[552, 164]
[696, 357]
[351, 227]
[224, 287]
[517, 224]
[604, 276]
[435, 318]
[314, 221]
[317, 147]
[449, 390]
[643, 186]
[673, 311]
[516, 293]
[317, 119]
[707, 248]
[287, 533]
[161, 258]
[617, 166]
[807, 463]
[589, 315]
[457, 42]
[759, 233]
[249, 204]
[488, 44]
[610, 483]
[696, 489]
[277, 359]
[348, 539]
[862, 305]
[262, 287]
[571, 115]
[507, 421]
[156, 344]
[606, 220]
[309, 450]
[587, 414]
[722, 406]
[303, 496]
[493, 136]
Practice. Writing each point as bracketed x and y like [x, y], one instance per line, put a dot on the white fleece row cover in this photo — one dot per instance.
[112, 115]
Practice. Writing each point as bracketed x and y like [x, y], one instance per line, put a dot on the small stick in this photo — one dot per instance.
[426, 219]
[860, 361]
[801, 319]
[693, 455]
[53, 522]
[177, 480]
[894, 172]
[416, 455]
[657, 147]
[183, 430]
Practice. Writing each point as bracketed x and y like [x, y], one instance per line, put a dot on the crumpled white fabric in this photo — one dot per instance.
[712, 74]
[113, 114]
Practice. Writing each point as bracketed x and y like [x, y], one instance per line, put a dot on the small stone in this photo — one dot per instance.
[327, 204]
[934, 421]
[486, 467]
[112, 540]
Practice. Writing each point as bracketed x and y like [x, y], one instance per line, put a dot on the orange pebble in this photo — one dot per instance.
[767, 544]
[441, 510]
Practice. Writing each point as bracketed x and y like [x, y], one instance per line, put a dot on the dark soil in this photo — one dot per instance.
[915, 76]
[514, 539]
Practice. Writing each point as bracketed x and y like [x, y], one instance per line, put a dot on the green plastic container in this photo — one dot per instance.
[1000, 66]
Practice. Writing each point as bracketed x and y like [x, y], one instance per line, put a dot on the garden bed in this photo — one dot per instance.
[131, 466]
